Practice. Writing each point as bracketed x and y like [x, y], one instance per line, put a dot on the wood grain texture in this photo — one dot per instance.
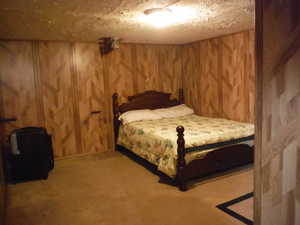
[147, 64]
[210, 89]
[89, 69]
[234, 96]
[218, 76]
[56, 77]
[250, 80]
[18, 84]
[121, 69]
[119, 74]
[278, 78]
[136, 68]
[65, 82]
[158, 68]
[170, 69]
[59, 84]
[190, 70]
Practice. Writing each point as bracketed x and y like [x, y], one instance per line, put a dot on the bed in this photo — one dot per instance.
[182, 147]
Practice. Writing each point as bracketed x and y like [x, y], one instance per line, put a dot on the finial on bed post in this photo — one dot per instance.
[181, 96]
[116, 113]
[180, 158]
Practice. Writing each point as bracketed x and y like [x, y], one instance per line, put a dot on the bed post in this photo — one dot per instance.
[181, 96]
[180, 159]
[116, 113]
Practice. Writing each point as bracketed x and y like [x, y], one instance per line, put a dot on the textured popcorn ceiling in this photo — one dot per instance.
[88, 20]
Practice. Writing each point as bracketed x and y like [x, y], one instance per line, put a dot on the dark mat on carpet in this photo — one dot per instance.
[240, 208]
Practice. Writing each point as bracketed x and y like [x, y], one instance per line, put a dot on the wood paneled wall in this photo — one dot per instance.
[219, 76]
[47, 84]
[278, 137]
[135, 68]
[57, 85]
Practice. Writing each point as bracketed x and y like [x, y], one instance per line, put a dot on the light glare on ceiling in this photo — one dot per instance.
[162, 17]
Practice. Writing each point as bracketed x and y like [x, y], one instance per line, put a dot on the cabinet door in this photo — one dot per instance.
[91, 100]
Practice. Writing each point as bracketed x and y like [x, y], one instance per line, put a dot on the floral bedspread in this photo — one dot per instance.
[156, 140]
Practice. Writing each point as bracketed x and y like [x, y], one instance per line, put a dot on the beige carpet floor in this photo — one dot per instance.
[110, 189]
[243, 207]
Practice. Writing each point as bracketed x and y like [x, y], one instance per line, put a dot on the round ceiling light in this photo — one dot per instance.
[159, 17]
[157, 10]
[172, 15]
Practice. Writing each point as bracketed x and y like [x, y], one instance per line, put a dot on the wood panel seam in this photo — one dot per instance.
[75, 98]
[37, 84]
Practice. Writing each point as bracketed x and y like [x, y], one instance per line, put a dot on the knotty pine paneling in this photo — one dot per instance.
[277, 177]
[218, 76]
[55, 61]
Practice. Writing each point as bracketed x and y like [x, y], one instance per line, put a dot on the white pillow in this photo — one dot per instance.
[175, 111]
[138, 115]
[163, 112]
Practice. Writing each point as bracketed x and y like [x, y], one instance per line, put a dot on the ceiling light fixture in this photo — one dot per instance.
[157, 10]
[159, 17]
[162, 17]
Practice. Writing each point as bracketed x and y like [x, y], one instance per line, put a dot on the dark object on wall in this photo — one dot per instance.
[108, 44]
[30, 156]
[225, 158]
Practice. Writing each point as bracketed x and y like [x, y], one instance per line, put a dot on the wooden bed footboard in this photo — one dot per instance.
[215, 161]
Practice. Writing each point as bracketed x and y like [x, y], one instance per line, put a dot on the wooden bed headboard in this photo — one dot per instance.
[145, 100]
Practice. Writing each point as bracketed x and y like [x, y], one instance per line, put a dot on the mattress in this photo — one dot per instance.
[156, 140]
